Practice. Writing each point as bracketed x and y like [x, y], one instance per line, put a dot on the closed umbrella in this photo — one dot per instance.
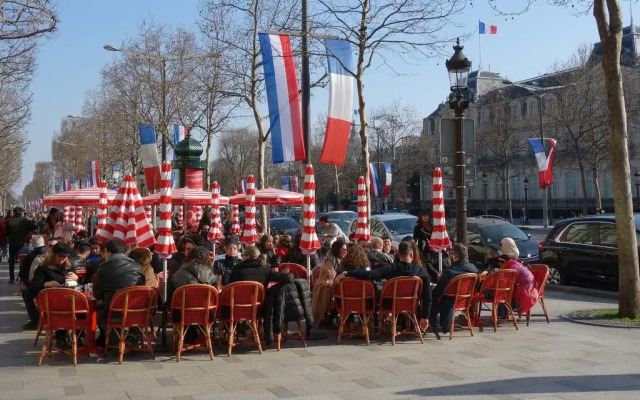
[147, 211]
[102, 207]
[309, 242]
[439, 237]
[362, 227]
[215, 230]
[249, 234]
[235, 226]
[79, 222]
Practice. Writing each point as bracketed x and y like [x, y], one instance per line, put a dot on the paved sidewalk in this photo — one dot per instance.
[561, 360]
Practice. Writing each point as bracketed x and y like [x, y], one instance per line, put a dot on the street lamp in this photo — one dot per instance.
[485, 182]
[141, 179]
[526, 199]
[637, 176]
[458, 67]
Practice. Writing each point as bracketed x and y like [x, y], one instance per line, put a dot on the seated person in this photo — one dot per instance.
[252, 268]
[356, 258]
[377, 258]
[184, 246]
[265, 245]
[387, 246]
[444, 305]
[142, 256]
[222, 268]
[525, 281]
[322, 292]
[405, 267]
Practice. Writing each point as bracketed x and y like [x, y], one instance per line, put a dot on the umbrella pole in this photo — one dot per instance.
[440, 263]
[309, 270]
[164, 303]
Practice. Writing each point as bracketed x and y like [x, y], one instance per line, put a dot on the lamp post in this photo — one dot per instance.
[485, 183]
[637, 176]
[458, 67]
[141, 180]
[526, 199]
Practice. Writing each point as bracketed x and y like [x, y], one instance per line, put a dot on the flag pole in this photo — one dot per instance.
[479, 48]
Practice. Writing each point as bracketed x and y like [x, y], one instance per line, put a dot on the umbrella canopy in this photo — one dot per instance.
[191, 197]
[235, 226]
[215, 230]
[362, 228]
[269, 197]
[80, 197]
[102, 206]
[149, 214]
[165, 246]
[79, 220]
[127, 220]
[309, 242]
[180, 215]
[439, 237]
[249, 235]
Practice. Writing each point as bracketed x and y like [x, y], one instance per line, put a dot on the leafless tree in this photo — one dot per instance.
[235, 157]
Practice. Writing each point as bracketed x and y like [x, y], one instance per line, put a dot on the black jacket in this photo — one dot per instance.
[271, 257]
[25, 266]
[78, 263]
[116, 273]
[45, 274]
[253, 270]
[17, 230]
[457, 268]
[294, 255]
[174, 263]
[422, 236]
[190, 273]
[287, 302]
[378, 259]
[400, 269]
[224, 267]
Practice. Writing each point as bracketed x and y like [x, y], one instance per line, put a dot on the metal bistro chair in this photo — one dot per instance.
[297, 270]
[497, 289]
[541, 275]
[400, 295]
[355, 296]
[240, 301]
[461, 289]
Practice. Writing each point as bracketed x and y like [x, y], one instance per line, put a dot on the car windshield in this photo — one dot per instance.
[284, 224]
[401, 226]
[495, 233]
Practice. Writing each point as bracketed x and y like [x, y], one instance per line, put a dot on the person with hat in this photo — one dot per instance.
[39, 249]
[223, 267]
[55, 271]
[508, 259]
[17, 228]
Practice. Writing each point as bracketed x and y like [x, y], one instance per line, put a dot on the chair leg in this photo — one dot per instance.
[494, 317]
[544, 308]
[43, 351]
[207, 331]
[38, 333]
[513, 317]
[256, 335]
[278, 341]
[147, 336]
[232, 328]
[528, 317]
[74, 347]
[452, 325]
[301, 334]
[341, 326]
[469, 324]
[416, 324]
[394, 321]
[121, 345]
[365, 328]
[180, 335]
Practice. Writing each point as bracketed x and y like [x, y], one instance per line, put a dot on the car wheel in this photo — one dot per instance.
[555, 277]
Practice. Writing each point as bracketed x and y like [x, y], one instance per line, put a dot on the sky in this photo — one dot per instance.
[69, 64]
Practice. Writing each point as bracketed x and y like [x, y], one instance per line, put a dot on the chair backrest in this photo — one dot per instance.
[61, 307]
[297, 270]
[242, 300]
[354, 296]
[541, 275]
[194, 304]
[133, 306]
[461, 288]
[501, 283]
[401, 294]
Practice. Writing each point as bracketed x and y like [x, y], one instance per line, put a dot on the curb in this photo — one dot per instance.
[583, 291]
[566, 317]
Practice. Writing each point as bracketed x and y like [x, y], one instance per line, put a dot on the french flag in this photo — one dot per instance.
[242, 186]
[485, 29]
[283, 98]
[284, 181]
[179, 133]
[149, 156]
[374, 183]
[387, 180]
[341, 83]
[545, 164]
[94, 173]
[294, 184]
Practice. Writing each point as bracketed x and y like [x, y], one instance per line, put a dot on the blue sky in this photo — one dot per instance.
[70, 63]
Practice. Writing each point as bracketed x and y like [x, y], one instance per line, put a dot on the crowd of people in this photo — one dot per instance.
[56, 261]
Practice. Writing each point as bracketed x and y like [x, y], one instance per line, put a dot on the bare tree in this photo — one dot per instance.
[235, 157]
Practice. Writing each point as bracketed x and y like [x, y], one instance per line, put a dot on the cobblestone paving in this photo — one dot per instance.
[560, 360]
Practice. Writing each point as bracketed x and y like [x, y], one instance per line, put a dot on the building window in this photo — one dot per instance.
[499, 185]
[532, 109]
[515, 111]
[432, 127]
[591, 191]
[534, 190]
[607, 187]
[516, 188]
[571, 185]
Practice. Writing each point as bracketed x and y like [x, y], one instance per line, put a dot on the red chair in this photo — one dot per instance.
[497, 289]
[541, 275]
[240, 301]
[193, 305]
[62, 309]
[354, 296]
[297, 270]
[461, 289]
[400, 295]
[131, 309]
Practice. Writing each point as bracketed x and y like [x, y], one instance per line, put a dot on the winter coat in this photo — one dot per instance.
[524, 280]
[422, 235]
[78, 263]
[44, 274]
[224, 267]
[400, 269]
[17, 229]
[116, 273]
[378, 259]
[457, 268]
[287, 302]
[25, 266]
[174, 263]
[294, 255]
[253, 270]
[191, 273]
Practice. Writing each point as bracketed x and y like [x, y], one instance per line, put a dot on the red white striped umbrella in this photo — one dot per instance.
[79, 220]
[165, 246]
[190, 197]
[215, 230]
[199, 211]
[181, 215]
[269, 197]
[66, 210]
[362, 228]
[79, 197]
[309, 242]
[249, 235]
[149, 214]
[439, 237]
[102, 207]
[235, 226]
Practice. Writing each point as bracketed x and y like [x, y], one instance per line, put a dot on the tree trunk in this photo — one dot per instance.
[504, 199]
[583, 182]
[610, 32]
[507, 192]
[361, 104]
[596, 186]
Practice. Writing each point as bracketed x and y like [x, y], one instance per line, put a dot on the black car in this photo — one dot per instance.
[485, 234]
[583, 250]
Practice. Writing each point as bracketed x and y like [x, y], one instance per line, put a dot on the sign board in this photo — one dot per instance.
[449, 160]
[469, 173]
[193, 178]
[448, 140]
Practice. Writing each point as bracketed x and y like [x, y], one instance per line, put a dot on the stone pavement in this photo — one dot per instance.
[561, 360]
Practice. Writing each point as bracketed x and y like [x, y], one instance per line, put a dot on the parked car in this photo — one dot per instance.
[484, 235]
[584, 250]
[290, 225]
[394, 225]
[346, 216]
[342, 224]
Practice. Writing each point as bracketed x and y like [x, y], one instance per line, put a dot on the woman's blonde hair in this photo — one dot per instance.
[251, 253]
[50, 261]
[141, 255]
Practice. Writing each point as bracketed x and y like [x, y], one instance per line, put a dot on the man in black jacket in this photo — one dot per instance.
[115, 273]
[39, 248]
[444, 305]
[405, 267]
[17, 228]
[377, 258]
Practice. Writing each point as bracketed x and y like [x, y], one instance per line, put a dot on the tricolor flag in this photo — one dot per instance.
[485, 29]
[387, 180]
[283, 98]
[73, 183]
[94, 173]
[341, 83]
[242, 186]
[374, 183]
[294, 184]
[545, 164]
[284, 181]
[179, 133]
[149, 156]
